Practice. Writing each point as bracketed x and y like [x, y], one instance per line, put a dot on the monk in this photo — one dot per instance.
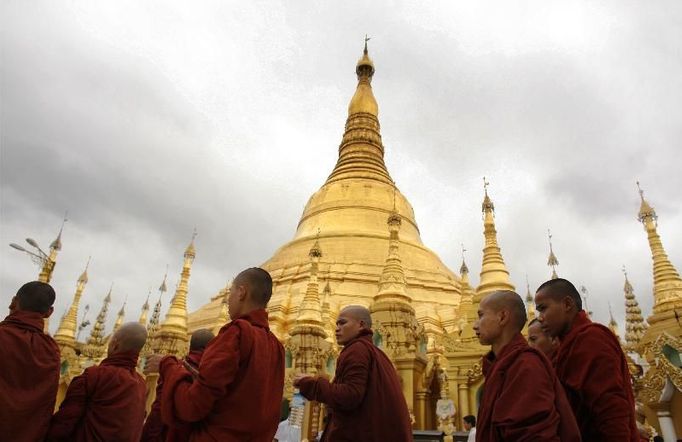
[365, 401]
[522, 397]
[590, 364]
[154, 429]
[107, 401]
[537, 338]
[237, 393]
[29, 365]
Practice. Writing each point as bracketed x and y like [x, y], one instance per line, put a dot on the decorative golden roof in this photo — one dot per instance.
[94, 347]
[613, 325]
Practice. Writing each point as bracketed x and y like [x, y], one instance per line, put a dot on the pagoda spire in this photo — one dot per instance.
[667, 308]
[153, 324]
[613, 325]
[120, 316]
[310, 310]
[392, 309]
[635, 326]
[94, 348]
[494, 273]
[530, 302]
[467, 291]
[145, 309]
[552, 261]
[50, 260]
[66, 333]
[667, 282]
[172, 336]
[361, 153]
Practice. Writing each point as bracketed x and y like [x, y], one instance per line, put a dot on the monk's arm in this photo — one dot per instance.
[192, 401]
[598, 377]
[70, 411]
[526, 404]
[344, 395]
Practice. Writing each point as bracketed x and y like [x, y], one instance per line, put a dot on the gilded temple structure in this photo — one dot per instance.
[358, 243]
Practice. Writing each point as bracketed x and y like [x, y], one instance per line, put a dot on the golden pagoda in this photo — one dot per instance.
[172, 336]
[350, 212]
[635, 326]
[660, 389]
[94, 348]
[145, 310]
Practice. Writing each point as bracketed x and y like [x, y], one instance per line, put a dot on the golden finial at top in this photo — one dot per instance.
[463, 269]
[646, 212]
[487, 205]
[552, 260]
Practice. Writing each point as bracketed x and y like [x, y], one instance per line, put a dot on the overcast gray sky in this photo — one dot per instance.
[146, 119]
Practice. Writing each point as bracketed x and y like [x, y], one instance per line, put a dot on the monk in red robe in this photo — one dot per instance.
[107, 401]
[365, 402]
[29, 365]
[538, 338]
[237, 393]
[155, 430]
[522, 397]
[590, 364]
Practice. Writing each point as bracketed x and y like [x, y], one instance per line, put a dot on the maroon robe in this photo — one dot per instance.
[105, 403]
[523, 399]
[29, 377]
[237, 395]
[365, 401]
[155, 430]
[594, 372]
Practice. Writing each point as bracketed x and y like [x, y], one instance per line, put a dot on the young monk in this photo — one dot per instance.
[590, 364]
[29, 365]
[539, 339]
[237, 393]
[155, 430]
[522, 398]
[365, 401]
[107, 401]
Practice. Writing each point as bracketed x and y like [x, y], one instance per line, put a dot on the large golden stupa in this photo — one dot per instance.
[348, 218]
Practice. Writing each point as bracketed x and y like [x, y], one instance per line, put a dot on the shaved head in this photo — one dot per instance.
[259, 283]
[511, 302]
[560, 288]
[358, 313]
[35, 296]
[131, 336]
[200, 339]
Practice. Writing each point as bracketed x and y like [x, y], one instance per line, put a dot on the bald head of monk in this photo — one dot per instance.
[131, 336]
[200, 339]
[557, 302]
[501, 316]
[250, 290]
[352, 321]
[34, 296]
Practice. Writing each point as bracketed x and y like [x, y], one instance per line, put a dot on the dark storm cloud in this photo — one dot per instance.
[146, 125]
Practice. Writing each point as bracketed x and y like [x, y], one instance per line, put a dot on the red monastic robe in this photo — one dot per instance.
[523, 399]
[365, 401]
[594, 372]
[29, 376]
[105, 403]
[155, 430]
[237, 394]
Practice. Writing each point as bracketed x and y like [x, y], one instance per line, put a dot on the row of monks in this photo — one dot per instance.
[572, 383]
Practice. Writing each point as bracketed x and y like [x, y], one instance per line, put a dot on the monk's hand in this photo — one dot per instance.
[299, 376]
[152, 364]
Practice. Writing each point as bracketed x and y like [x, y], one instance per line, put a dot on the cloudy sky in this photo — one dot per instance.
[146, 119]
